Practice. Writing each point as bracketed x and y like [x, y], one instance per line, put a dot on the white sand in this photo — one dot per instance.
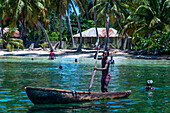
[73, 54]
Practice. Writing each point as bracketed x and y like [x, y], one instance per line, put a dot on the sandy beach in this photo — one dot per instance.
[86, 53]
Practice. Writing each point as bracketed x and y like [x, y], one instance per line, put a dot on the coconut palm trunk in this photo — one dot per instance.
[69, 23]
[23, 22]
[1, 33]
[61, 45]
[36, 44]
[73, 44]
[50, 44]
[107, 34]
[2, 28]
[80, 46]
[94, 14]
[126, 35]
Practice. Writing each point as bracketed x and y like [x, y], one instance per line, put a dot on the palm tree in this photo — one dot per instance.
[94, 14]
[80, 46]
[40, 25]
[150, 16]
[71, 31]
[60, 10]
[103, 8]
[3, 14]
[28, 12]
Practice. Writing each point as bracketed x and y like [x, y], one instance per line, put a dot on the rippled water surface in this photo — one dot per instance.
[126, 74]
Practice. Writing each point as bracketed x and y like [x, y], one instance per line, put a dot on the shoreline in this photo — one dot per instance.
[85, 53]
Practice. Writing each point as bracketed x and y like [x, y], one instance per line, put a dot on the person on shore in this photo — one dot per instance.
[52, 55]
[111, 60]
[105, 70]
[149, 85]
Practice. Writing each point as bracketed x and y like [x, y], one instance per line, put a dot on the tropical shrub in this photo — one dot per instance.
[159, 42]
[10, 42]
[43, 44]
[53, 36]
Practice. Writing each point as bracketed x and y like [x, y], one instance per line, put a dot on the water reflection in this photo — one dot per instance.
[95, 106]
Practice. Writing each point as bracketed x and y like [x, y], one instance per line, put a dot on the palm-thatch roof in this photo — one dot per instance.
[101, 31]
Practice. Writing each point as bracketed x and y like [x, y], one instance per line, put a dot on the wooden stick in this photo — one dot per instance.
[91, 82]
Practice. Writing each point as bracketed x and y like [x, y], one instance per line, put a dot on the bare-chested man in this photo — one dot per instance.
[105, 71]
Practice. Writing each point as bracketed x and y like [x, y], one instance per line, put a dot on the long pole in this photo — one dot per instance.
[91, 82]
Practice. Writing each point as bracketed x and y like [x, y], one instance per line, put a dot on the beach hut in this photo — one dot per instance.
[89, 36]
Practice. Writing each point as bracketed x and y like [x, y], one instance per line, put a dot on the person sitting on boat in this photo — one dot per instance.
[149, 85]
[75, 61]
[52, 55]
[111, 60]
[105, 70]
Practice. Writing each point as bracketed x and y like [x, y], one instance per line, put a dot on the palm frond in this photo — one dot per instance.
[154, 21]
[145, 11]
[2, 41]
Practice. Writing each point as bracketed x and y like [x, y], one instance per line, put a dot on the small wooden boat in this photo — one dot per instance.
[41, 95]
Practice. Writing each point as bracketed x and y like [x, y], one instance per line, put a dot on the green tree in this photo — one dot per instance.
[11, 42]
[150, 16]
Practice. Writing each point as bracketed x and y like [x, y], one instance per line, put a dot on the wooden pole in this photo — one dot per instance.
[91, 82]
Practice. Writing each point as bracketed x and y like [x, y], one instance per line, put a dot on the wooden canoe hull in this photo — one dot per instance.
[41, 95]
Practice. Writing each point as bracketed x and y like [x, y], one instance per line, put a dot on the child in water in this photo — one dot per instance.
[149, 85]
[52, 55]
[75, 61]
[111, 60]
[60, 67]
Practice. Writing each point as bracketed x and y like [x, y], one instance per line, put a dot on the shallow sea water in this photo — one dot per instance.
[126, 74]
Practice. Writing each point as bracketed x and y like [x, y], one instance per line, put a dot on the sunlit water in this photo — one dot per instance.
[126, 74]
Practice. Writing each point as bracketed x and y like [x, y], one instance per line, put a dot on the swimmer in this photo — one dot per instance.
[75, 61]
[149, 85]
[60, 67]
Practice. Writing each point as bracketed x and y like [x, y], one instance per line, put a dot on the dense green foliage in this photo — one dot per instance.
[11, 42]
[146, 21]
[159, 43]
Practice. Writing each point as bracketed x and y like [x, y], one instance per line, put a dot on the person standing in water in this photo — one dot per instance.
[52, 55]
[105, 70]
[111, 60]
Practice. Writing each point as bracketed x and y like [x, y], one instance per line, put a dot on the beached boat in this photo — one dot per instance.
[41, 95]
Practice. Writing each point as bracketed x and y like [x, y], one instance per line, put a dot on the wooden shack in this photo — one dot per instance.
[89, 36]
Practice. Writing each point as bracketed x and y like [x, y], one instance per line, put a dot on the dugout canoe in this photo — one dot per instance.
[42, 95]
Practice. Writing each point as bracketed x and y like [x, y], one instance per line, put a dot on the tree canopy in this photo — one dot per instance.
[140, 19]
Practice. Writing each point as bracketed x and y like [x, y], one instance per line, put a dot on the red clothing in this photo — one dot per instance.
[52, 54]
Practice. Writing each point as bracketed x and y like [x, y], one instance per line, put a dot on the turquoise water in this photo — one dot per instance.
[126, 74]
